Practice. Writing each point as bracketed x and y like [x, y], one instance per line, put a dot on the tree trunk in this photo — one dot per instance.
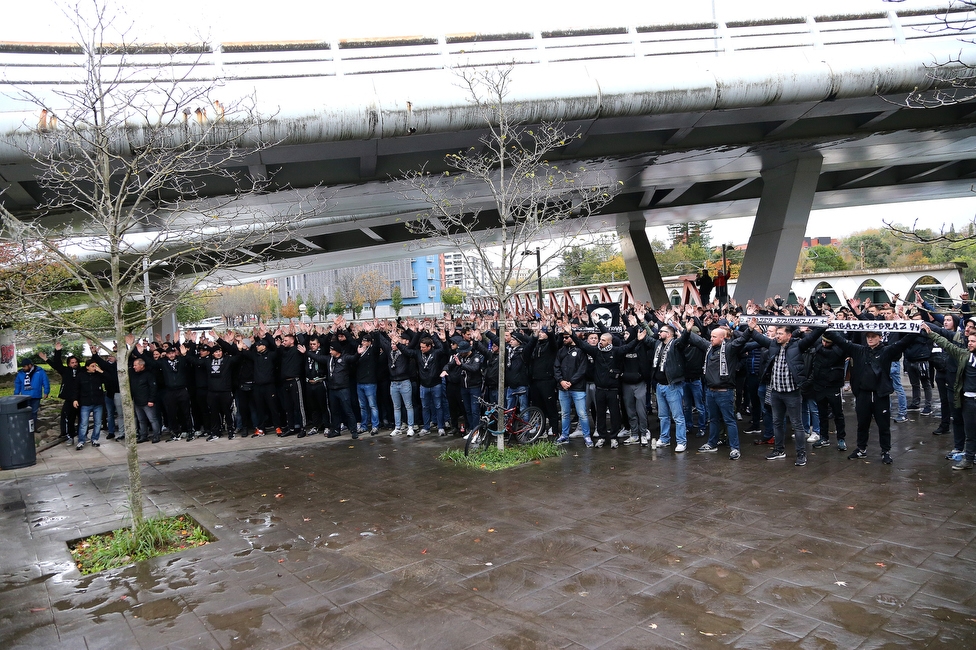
[502, 353]
[128, 416]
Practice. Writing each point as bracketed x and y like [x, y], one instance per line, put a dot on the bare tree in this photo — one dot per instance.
[124, 155]
[373, 286]
[506, 194]
[240, 302]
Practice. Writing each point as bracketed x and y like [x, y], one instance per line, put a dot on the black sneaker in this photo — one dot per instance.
[95, 443]
[913, 408]
[212, 437]
[940, 432]
[800, 461]
[775, 455]
[857, 453]
[886, 458]
[231, 436]
[820, 444]
[302, 434]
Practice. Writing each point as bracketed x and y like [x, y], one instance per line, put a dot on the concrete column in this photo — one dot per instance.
[165, 324]
[642, 269]
[777, 234]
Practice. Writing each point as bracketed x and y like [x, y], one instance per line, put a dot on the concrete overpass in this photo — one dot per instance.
[716, 119]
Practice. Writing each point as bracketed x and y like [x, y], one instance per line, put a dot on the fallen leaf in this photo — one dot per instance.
[706, 633]
[483, 466]
[653, 626]
[880, 564]
[382, 456]
[803, 550]
[264, 495]
[474, 589]
[850, 507]
[343, 500]
[755, 563]
[423, 552]
[491, 530]
[279, 495]
[352, 446]
[489, 564]
[306, 519]
[477, 540]
[539, 462]
[281, 560]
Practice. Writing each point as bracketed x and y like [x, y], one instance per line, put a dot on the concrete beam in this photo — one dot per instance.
[777, 234]
[645, 276]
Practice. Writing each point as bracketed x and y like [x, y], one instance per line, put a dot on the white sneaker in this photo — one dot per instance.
[655, 443]
[614, 444]
[643, 441]
[624, 433]
[395, 432]
[423, 432]
[576, 434]
[680, 448]
[599, 443]
[633, 440]
[813, 437]
[410, 431]
[441, 432]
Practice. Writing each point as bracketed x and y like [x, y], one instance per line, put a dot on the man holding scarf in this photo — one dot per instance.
[721, 362]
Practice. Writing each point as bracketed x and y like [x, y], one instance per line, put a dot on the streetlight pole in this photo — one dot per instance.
[538, 271]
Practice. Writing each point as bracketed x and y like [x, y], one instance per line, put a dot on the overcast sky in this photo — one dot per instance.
[222, 20]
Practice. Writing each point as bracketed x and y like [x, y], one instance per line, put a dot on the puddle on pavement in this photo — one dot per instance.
[161, 609]
[854, 618]
[722, 578]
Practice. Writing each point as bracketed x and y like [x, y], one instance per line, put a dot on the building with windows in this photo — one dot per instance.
[419, 279]
[466, 272]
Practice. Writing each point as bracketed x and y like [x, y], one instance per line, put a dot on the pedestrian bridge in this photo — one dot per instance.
[729, 116]
[939, 284]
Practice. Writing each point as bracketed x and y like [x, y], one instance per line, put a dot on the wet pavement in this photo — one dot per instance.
[377, 544]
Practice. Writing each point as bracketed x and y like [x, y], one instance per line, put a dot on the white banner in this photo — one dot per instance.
[795, 321]
[914, 326]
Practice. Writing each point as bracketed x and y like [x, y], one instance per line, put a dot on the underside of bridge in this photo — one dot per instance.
[766, 133]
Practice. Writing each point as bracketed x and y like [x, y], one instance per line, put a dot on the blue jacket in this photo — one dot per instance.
[34, 384]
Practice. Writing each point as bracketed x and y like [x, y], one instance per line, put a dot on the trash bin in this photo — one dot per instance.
[16, 433]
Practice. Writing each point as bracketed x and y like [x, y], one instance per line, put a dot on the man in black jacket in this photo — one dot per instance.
[787, 375]
[668, 366]
[142, 383]
[340, 366]
[68, 392]
[722, 352]
[90, 402]
[825, 383]
[367, 368]
[570, 373]
[871, 386]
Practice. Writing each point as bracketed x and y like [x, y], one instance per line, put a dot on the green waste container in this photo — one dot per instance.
[16, 433]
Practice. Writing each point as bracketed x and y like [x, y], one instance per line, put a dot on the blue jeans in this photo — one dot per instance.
[767, 413]
[472, 410]
[402, 394]
[113, 414]
[899, 389]
[517, 393]
[86, 411]
[721, 408]
[811, 415]
[368, 406]
[788, 405]
[694, 397]
[669, 406]
[430, 401]
[574, 399]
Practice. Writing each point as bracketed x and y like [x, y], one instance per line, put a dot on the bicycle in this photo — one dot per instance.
[524, 428]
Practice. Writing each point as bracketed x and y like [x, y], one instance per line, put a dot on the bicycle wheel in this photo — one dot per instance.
[529, 425]
[476, 439]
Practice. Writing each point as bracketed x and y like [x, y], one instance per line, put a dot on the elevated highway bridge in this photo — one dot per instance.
[725, 118]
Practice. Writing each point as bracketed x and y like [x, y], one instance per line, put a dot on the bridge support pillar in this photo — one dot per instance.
[166, 323]
[645, 276]
[777, 234]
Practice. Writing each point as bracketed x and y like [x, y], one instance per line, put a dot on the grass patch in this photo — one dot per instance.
[155, 537]
[492, 460]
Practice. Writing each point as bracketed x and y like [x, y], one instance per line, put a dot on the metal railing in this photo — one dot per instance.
[55, 63]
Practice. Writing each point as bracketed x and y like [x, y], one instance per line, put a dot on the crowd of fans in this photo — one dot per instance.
[772, 369]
